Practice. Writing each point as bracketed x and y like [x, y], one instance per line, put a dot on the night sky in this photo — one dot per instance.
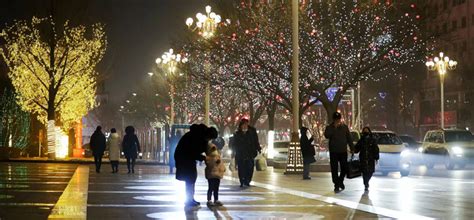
[138, 31]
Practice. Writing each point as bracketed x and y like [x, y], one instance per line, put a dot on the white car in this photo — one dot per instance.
[393, 153]
[449, 146]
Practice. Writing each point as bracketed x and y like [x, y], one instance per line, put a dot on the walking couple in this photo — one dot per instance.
[339, 138]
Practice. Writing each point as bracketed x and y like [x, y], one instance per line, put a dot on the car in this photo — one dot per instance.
[448, 146]
[414, 148]
[393, 153]
[280, 150]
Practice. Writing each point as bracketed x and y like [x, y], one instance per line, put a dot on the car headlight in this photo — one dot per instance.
[457, 150]
[140, 154]
[229, 152]
[420, 149]
[405, 153]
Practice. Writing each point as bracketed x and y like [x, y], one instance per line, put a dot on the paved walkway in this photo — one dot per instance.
[68, 191]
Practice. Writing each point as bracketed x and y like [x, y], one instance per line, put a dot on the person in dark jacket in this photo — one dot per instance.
[246, 145]
[307, 151]
[130, 147]
[368, 155]
[190, 149]
[173, 142]
[97, 145]
[339, 137]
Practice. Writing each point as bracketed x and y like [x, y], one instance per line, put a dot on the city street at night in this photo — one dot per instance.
[39, 190]
[236, 109]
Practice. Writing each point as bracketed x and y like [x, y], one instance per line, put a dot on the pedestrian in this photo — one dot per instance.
[130, 147]
[113, 144]
[219, 142]
[98, 144]
[173, 142]
[246, 147]
[307, 151]
[368, 155]
[339, 137]
[214, 172]
[190, 149]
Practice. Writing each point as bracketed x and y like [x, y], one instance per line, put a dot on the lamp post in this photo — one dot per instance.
[206, 25]
[294, 163]
[441, 64]
[169, 62]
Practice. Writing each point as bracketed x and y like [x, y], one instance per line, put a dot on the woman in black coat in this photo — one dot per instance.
[190, 149]
[368, 154]
[307, 151]
[130, 147]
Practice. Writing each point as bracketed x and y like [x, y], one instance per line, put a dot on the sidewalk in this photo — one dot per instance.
[75, 160]
[319, 166]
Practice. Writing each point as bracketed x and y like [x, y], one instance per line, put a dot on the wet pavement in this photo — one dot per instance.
[30, 191]
[68, 191]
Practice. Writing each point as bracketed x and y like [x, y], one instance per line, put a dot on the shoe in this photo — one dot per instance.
[133, 171]
[241, 185]
[196, 203]
[97, 171]
[307, 178]
[246, 184]
[342, 186]
[218, 203]
[191, 204]
[128, 171]
[336, 189]
[210, 203]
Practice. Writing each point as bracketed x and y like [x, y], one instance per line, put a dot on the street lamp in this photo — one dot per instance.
[441, 64]
[294, 163]
[206, 24]
[169, 62]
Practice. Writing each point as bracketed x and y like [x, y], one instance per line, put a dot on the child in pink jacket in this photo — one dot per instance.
[214, 173]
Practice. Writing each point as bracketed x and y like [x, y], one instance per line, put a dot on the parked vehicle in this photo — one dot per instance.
[414, 149]
[393, 153]
[280, 150]
[448, 146]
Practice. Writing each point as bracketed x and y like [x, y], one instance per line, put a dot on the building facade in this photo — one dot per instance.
[452, 24]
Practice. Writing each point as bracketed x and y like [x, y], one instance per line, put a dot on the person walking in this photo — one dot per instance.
[131, 147]
[339, 137]
[113, 144]
[190, 149]
[307, 151]
[368, 155]
[214, 171]
[97, 145]
[246, 147]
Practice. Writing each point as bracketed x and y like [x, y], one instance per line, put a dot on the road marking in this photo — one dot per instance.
[73, 202]
[174, 193]
[178, 205]
[335, 201]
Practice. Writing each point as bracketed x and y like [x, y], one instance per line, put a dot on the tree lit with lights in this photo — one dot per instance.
[53, 69]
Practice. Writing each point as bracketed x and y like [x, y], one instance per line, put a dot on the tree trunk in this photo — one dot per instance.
[330, 108]
[271, 117]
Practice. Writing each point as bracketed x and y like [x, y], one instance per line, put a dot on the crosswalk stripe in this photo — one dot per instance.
[73, 202]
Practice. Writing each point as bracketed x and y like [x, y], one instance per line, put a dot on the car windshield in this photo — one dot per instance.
[387, 138]
[281, 144]
[408, 139]
[452, 136]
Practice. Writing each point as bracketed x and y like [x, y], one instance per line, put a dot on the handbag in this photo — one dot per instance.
[353, 168]
[261, 163]
[232, 165]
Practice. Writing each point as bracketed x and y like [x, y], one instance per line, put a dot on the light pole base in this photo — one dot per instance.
[294, 163]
